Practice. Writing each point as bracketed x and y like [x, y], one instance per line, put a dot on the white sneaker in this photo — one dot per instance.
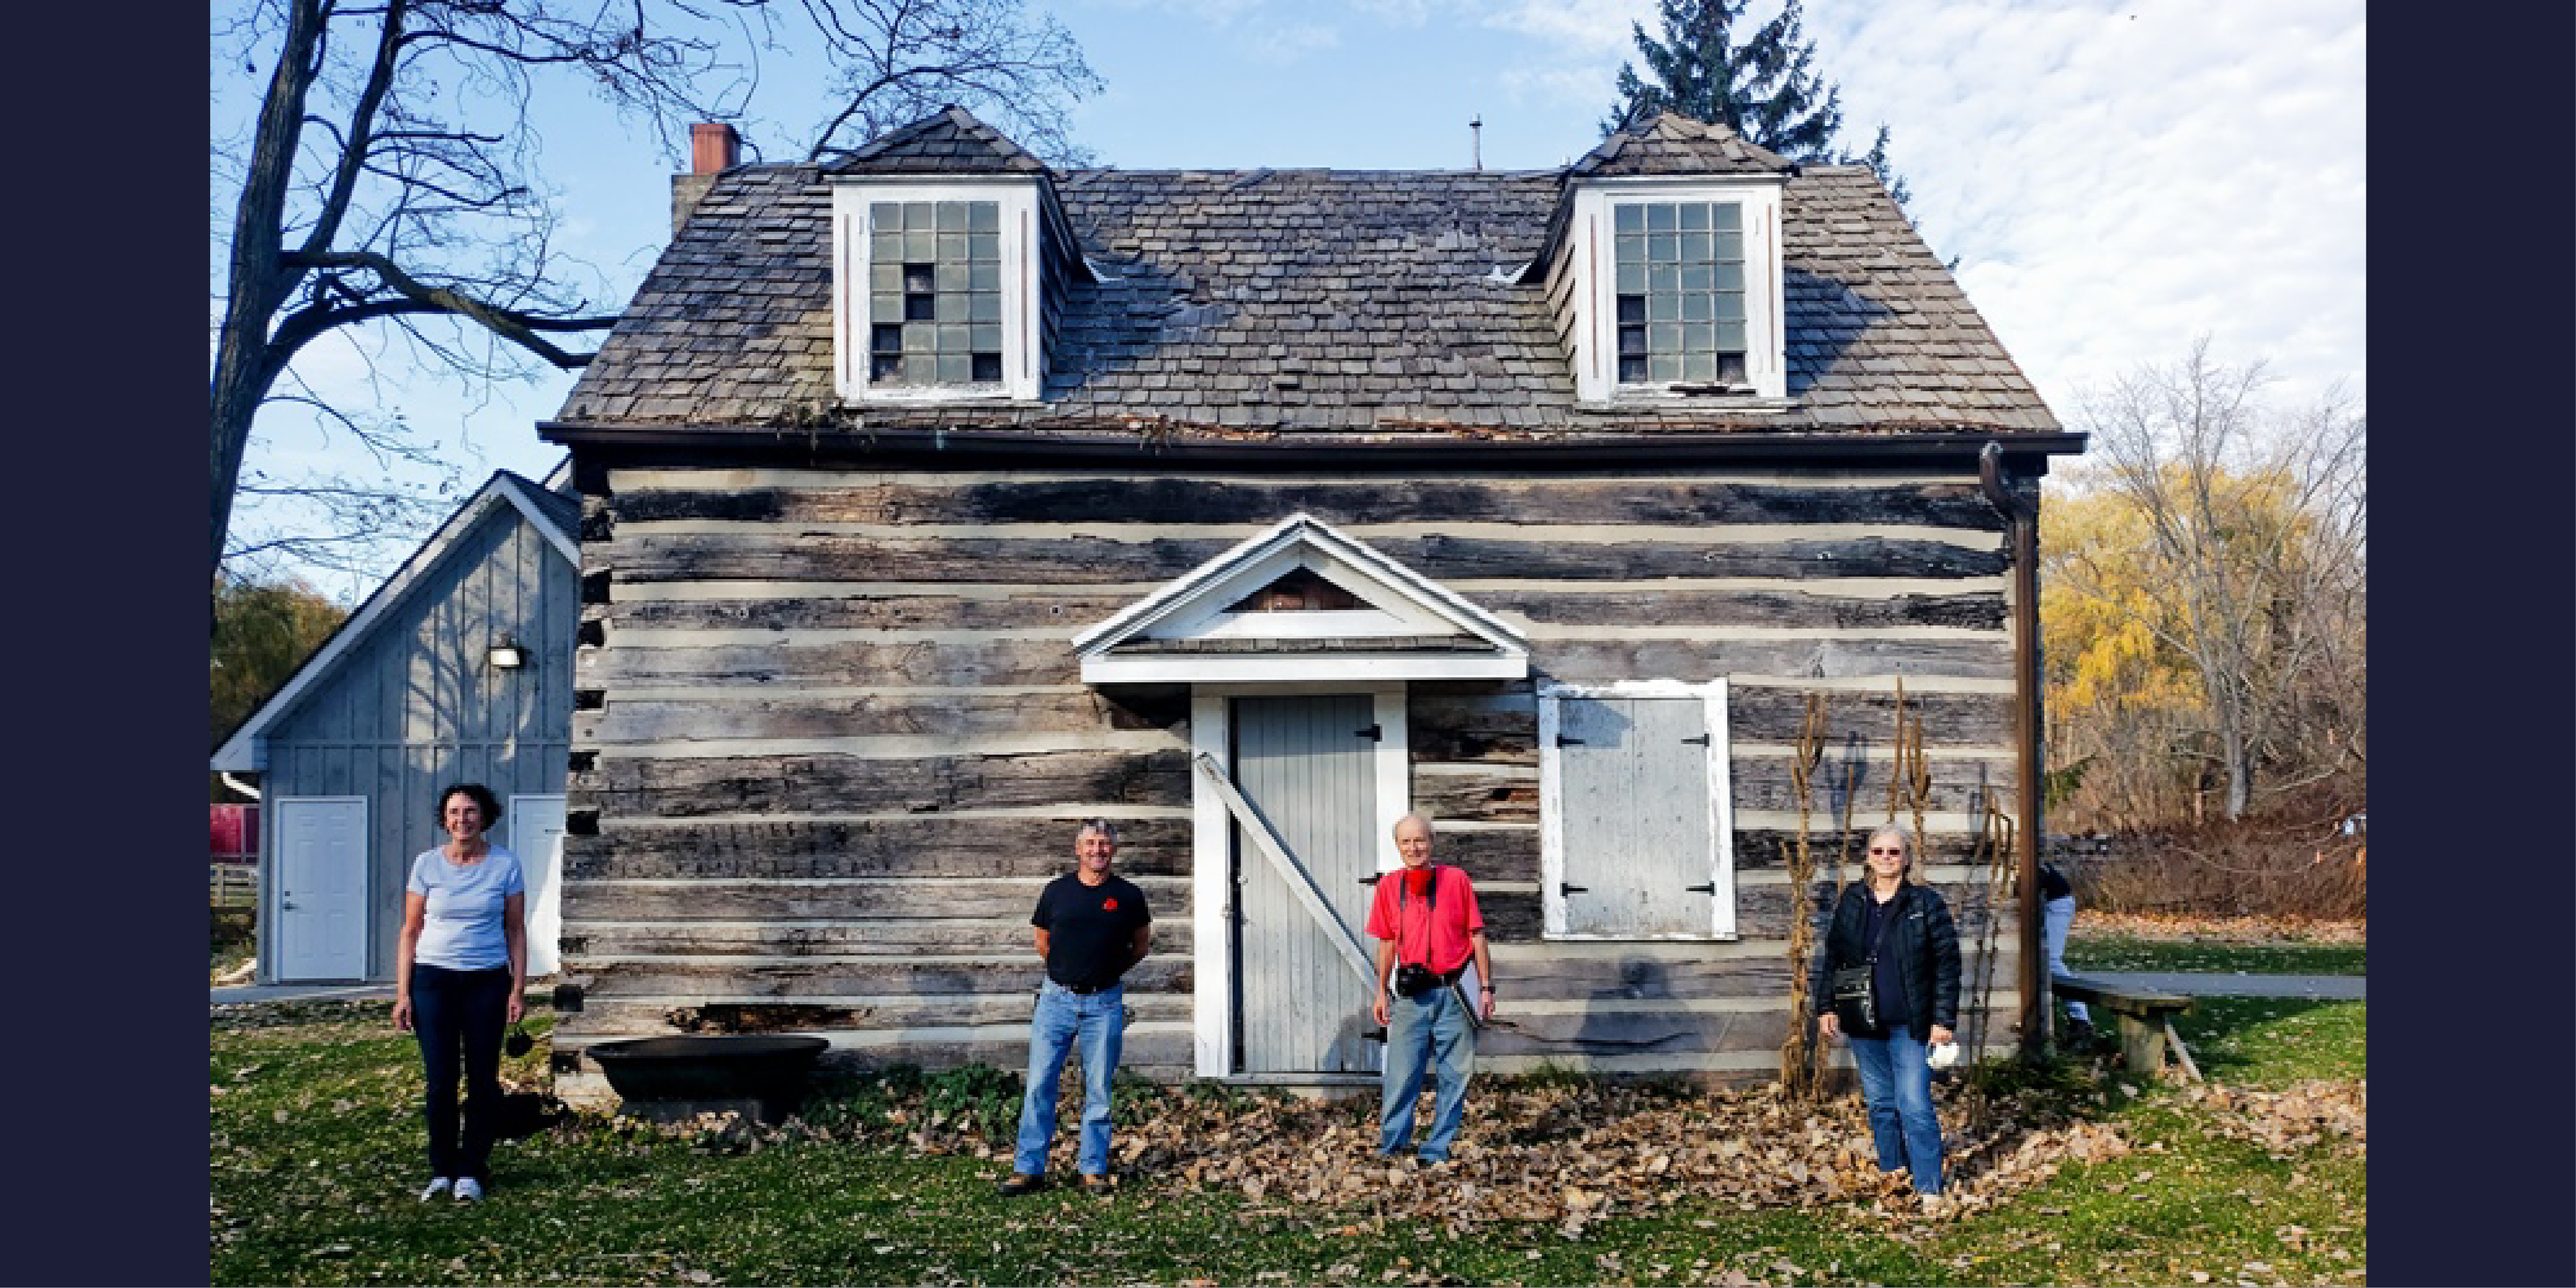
[468, 1189]
[437, 1185]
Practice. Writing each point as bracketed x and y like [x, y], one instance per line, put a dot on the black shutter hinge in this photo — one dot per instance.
[1564, 889]
[1373, 733]
[1563, 741]
[1371, 879]
[1701, 739]
[1710, 888]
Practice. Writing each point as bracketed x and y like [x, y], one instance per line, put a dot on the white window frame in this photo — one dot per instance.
[1591, 256]
[1022, 356]
[1551, 796]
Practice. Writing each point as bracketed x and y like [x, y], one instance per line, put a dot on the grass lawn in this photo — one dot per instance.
[2091, 1176]
[2122, 953]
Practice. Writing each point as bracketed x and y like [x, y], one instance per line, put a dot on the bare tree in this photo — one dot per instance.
[2254, 532]
[389, 180]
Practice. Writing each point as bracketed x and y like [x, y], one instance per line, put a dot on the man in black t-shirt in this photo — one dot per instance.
[1091, 928]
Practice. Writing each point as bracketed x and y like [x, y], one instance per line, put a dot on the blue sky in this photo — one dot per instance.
[2115, 178]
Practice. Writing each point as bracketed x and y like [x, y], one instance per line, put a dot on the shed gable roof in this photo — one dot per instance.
[1669, 144]
[950, 141]
[555, 517]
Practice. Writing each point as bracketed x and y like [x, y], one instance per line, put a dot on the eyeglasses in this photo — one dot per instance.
[1897, 851]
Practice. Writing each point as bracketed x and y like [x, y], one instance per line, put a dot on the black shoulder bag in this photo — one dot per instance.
[1858, 985]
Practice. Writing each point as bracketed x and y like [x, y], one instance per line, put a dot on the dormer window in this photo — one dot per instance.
[1680, 267]
[1668, 291]
[938, 295]
[935, 294]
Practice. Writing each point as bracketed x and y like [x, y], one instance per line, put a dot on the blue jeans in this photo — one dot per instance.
[460, 1013]
[1430, 1030]
[1098, 1022]
[1896, 1084]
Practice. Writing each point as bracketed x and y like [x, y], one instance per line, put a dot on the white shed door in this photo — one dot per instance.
[321, 888]
[536, 836]
[1308, 764]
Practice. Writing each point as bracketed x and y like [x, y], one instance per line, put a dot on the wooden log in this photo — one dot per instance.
[929, 610]
[822, 784]
[789, 555]
[1460, 727]
[1818, 608]
[757, 939]
[723, 713]
[929, 847]
[961, 661]
[841, 977]
[1763, 782]
[1187, 500]
[1763, 713]
[832, 1014]
[1578, 661]
[1006, 904]
[1496, 797]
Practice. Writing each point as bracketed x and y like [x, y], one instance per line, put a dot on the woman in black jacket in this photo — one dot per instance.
[1904, 934]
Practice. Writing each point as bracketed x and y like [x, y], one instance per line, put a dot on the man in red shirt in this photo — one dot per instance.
[1425, 920]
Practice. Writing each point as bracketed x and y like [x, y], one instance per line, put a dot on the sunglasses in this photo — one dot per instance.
[1897, 851]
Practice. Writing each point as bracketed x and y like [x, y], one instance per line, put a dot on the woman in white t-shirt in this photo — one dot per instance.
[459, 969]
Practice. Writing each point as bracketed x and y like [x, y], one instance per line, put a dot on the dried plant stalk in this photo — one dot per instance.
[1797, 1051]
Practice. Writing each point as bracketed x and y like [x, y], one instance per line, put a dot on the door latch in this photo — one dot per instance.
[1563, 889]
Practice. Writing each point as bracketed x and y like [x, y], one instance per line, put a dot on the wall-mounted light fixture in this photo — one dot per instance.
[506, 655]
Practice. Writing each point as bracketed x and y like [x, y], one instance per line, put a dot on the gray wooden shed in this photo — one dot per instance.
[459, 667]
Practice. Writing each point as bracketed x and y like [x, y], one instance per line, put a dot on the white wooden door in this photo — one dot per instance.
[536, 835]
[1308, 765]
[321, 888]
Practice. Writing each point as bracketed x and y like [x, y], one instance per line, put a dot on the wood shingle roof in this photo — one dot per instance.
[1303, 302]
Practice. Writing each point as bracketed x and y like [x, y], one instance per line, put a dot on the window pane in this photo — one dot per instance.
[952, 249]
[985, 248]
[1699, 337]
[988, 368]
[1697, 277]
[1730, 337]
[1730, 368]
[1663, 248]
[984, 277]
[1695, 217]
[885, 369]
[984, 216]
[1661, 217]
[950, 275]
[885, 275]
[916, 338]
[1663, 366]
[1632, 308]
[885, 306]
[1632, 341]
[1630, 218]
[1730, 306]
[985, 337]
[884, 217]
[1663, 277]
[1697, 307]
[1695, 248]
[1730, 247]
[918, 308]
[1663, 306]
[952, 306]
[1663, 338]
[916, 216]
[920, 247]
[885, 339]
[1728, 277]
[952, 217]
[956, 368]
[885, 248]
[1727, 216]
[952, 338]
[1632, 369]
[1632, 249]
[1699, 368]
[984, 306]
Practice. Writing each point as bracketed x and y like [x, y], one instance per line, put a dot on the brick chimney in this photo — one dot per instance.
[713, 149]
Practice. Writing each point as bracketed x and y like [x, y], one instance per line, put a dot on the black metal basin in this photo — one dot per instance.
[710, 1070]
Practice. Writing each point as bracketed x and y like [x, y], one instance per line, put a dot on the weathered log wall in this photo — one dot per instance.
[832, 738]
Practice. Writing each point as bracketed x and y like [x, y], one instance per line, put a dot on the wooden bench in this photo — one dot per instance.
[2146, 1020]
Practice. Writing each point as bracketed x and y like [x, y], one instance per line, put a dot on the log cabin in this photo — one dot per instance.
[935, 500]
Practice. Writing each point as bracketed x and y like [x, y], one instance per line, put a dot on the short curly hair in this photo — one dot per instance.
[475, 792]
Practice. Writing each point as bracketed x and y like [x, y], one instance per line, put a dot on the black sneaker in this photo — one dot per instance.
[1022, 1183]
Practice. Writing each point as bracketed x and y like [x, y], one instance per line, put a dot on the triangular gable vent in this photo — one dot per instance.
[1300, 601]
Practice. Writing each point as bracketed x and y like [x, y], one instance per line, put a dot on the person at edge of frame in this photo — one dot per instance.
[2057, 916]
[1092, 928]
[1428, 928]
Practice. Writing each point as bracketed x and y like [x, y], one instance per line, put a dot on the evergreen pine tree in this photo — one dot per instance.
[1765, 88]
